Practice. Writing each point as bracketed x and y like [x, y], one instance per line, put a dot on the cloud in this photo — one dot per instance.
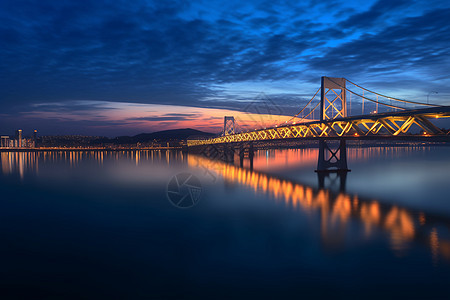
[145, 52]
[195, 53]
[169, 117]
[157, 119]
[415, 48]
[373, 16]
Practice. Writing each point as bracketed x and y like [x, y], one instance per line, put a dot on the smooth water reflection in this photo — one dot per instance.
[338, 209]
[270, 222]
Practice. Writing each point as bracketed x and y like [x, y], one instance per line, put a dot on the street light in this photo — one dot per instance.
[428, 96]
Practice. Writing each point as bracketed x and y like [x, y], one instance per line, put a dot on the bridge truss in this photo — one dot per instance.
[383, 125]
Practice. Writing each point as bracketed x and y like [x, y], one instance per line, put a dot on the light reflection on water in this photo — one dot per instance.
[28, 162]
[337, 209]
[342, 218]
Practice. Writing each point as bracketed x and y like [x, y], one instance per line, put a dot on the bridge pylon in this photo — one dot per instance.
[332, 160]
[243, 147]
[333, 102]
[228, 125]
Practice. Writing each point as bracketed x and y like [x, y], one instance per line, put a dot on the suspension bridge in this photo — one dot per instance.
[382, 117]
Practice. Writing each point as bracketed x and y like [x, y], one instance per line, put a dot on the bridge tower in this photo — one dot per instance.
[228, 125]
[333, 103]
[332, 159]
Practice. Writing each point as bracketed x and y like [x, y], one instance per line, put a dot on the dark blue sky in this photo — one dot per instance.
[74, 66]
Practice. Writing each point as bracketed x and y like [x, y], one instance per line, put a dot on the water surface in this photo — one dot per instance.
[100, 224]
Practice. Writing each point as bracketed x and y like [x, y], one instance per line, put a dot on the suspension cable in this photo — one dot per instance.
[375, 101]
[295, 116]
[363, 97]
[302, 118]
[391, 98]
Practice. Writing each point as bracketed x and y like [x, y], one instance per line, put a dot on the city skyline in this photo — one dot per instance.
[112, 69]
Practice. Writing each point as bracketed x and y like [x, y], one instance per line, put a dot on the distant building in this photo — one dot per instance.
[5, 141]
[35, 139]
[19, 138]
[19, 141]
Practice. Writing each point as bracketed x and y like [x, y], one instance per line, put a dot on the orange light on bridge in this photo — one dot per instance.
[356, 134]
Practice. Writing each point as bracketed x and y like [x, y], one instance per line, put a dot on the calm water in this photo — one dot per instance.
[100, 225]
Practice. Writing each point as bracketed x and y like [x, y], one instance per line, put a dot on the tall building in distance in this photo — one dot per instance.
[35, 138]
[19, 138]
[5, 141]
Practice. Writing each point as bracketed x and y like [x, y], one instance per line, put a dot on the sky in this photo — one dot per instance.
[111, 68]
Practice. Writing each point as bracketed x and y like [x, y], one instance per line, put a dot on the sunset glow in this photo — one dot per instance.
[134, 118]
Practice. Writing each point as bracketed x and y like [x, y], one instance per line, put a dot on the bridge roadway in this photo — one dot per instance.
[397, 125]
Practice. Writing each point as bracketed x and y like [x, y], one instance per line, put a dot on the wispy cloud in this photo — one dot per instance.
[215, 54]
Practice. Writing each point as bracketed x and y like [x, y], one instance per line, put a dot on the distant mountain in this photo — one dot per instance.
[160, 136]
[174, 134]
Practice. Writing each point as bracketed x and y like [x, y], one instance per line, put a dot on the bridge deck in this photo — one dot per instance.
[374, 126]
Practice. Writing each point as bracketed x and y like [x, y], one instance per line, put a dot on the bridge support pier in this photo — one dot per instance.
[332, 160]
[210, 151]
[241, 155]
[228, 153]
[251, 154]
[185, 149]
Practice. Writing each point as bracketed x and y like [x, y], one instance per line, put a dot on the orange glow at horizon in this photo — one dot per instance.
[145, 117]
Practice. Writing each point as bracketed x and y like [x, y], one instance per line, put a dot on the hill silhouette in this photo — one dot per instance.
[160, 136]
